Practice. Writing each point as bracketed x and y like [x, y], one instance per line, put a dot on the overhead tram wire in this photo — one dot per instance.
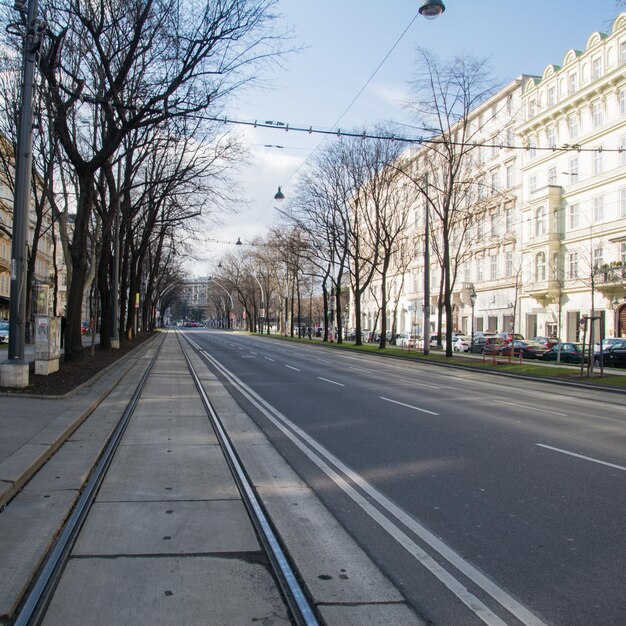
[311, 130]
[338, 120]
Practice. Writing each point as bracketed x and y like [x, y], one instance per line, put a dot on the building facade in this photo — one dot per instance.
[547, 243]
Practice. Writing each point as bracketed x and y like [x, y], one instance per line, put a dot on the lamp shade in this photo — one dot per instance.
[431, 9]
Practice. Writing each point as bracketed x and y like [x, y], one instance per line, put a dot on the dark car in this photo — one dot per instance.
[495, 345]
[613, 356]
[528, 349]
[4, 332]
[568, 352]
[547, 342]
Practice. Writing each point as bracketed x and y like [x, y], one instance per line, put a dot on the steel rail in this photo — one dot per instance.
[301, 609]
[40, 591]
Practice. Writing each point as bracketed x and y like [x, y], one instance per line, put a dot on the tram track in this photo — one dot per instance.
[36, 602]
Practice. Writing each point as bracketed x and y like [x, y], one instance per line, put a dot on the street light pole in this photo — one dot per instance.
[473, 297]
[426, 274]
[15, 369]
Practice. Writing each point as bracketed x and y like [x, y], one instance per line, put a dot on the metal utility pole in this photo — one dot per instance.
[426, 332]
[15, 369]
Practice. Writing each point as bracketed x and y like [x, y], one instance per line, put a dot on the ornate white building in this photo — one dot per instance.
[548, 242]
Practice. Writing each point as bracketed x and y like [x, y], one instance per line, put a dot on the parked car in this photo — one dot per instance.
[461, 343]
[494, 345]
[406, 340]
[569, 353]
[510, 337]
[4, 332]
[548, 342]
[528, 349]
[613, 356]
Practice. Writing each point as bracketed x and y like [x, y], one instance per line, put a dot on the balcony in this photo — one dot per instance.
[611, 278]
[542, 290]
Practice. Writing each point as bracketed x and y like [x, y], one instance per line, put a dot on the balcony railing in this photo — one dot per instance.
[611, 275]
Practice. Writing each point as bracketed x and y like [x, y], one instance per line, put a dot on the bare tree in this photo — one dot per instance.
[116, 67]
[447, 93]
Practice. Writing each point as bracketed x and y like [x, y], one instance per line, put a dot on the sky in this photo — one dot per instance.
[341, 43]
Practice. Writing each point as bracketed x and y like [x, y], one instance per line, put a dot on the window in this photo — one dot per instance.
[597, 117]
[551, 98]
[532, 106]
[622, 101]
[509, 103]
[551, 137]
[552, 176]
[508, 219]
[540, 222]
[532, 148]
[508, 264]
[597, 162]
[479, 269]
[573, 216]
[572, 270]
[573, 170]
[622, 147]
[622, 52]
[510, 173]
[510, 137]
[596, 68]
[598, 256]
[493, 266]
[480, 229]
[532, 183]
[467, 270]
[540, 267]
[572, 85]
[572, 125]
[598, 208]
[495, 180]
[494, 225]
[622, 252]
[622, 202]
[494, 112]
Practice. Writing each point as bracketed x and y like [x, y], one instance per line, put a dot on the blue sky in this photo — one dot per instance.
[344, 41]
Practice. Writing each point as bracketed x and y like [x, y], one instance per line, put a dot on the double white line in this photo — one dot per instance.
[347, 480]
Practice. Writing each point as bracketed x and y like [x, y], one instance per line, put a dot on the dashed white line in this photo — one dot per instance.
[408, 406]
[334, 382]
[582, 456]
[531, 408]
[413, 382]
[291, 367]
[268, 359]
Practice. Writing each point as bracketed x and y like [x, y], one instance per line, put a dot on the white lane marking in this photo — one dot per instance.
[334, 382]
[268, 359]
[323, 360]
[408, 406]
[360, 369]
[312, 448]
[531, 408]
[582, 456]
[414, 382]
[291, 367]
[251, 352]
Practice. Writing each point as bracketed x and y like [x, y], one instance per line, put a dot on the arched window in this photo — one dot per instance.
[540, 267]
[540, 221]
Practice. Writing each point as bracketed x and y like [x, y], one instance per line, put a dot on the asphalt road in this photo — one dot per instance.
[485, 499]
